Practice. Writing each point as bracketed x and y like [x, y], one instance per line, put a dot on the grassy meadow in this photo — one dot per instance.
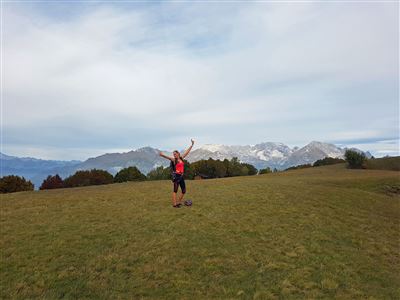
[326, 232]
[384, 163]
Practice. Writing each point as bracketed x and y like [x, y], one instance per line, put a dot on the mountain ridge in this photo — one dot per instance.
[262, 155]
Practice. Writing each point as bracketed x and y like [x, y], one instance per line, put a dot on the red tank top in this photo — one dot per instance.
[179, 167]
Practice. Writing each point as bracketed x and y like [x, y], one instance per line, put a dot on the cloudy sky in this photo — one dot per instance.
[81, 79]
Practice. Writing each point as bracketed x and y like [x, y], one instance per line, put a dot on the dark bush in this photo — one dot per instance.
[85, 178]
[251, 169]
[129, 174]
[305, 166]
[328, 161]
[52, 182]
[233, 167]
[12, 183]
[189, 171]
[211, 168]
[163, 173]
[265, 171]
[355, 160]
[159, 173]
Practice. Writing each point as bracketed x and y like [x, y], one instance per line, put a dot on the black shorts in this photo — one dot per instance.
[178, 180]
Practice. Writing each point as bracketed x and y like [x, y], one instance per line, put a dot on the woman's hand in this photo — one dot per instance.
[192, 142]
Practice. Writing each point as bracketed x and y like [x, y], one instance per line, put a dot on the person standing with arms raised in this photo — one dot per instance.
[178, 166]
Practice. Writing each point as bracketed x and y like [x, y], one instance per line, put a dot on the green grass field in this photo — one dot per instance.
[314, 233]
[384, 163]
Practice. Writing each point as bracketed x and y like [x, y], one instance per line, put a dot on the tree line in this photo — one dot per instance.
[203, 169]
[354, 160]
[209, 168]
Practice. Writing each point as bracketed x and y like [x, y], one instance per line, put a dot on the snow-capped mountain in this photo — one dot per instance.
[312, 152]
[260, 155]
[273, 155]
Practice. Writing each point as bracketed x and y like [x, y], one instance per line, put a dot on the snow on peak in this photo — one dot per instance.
[212, 147]
[269, 153]
[277, 154]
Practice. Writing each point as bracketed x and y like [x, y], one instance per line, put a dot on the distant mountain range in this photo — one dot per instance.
[32, 168]
[273, 155]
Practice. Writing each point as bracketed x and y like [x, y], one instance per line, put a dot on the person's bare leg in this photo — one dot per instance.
[173, 198]
[181, 198]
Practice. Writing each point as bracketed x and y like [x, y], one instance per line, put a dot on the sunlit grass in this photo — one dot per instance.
[316, 233]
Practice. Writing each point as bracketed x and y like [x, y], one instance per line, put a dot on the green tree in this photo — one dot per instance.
[251, 169]
[234, 168]
[355, 160]
[218, 169]
[265, 171]
[189, 171]
[210, 167]
[12, 183]
[129, 174]
[86, 178]
[201, 167]
[244, 171]
[328, 161]
[52, 182]
[98, 177]
[80, 178]
[159, 173]
[305, 166]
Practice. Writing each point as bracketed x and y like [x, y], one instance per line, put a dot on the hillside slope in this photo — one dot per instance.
[316, 233]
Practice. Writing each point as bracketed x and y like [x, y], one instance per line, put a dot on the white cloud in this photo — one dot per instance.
[224, 73]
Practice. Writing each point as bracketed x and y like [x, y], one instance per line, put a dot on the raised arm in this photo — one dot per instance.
[165, 156]
[188, 149]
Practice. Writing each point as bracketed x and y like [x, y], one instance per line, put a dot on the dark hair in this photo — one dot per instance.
[175, 159]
